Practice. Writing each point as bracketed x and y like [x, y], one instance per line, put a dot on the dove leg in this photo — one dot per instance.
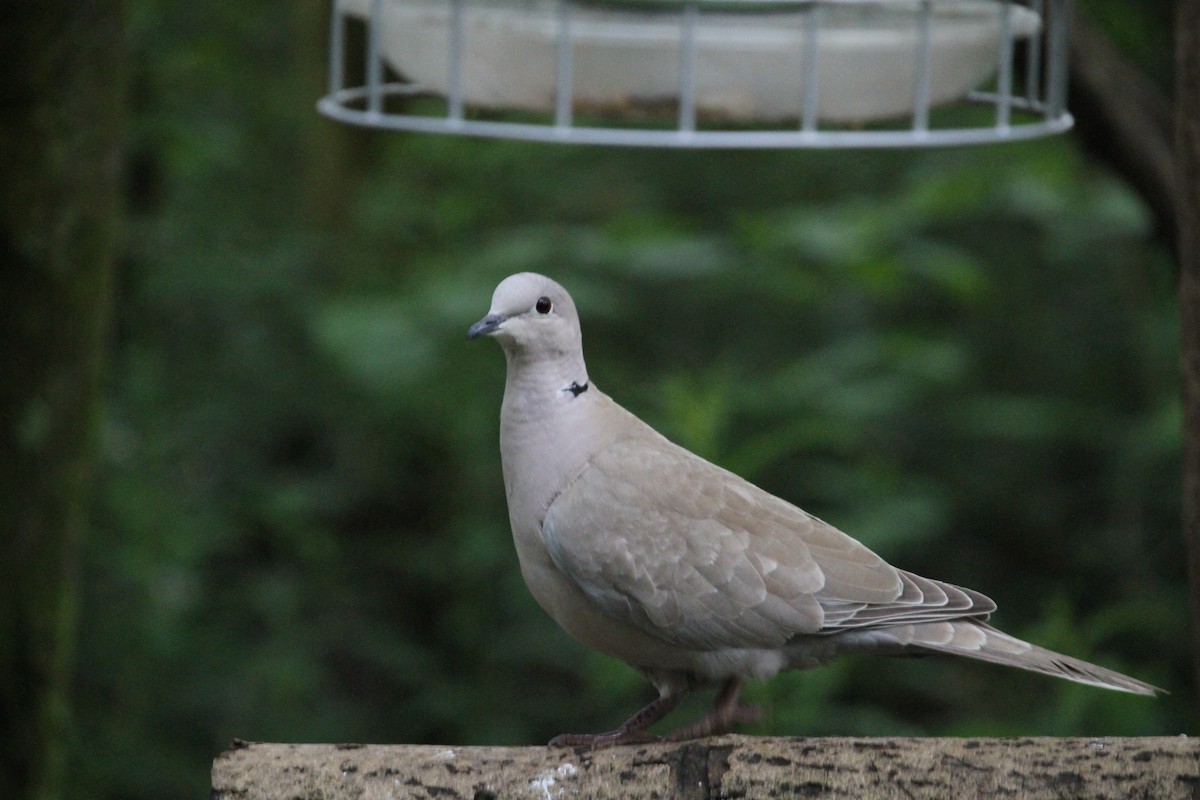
[727, 713]
[632, 731]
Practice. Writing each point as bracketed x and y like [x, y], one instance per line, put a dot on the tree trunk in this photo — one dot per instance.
[1165, 768]
[1187, 150]
[338, 154]
[62, 96]
[1124, 119]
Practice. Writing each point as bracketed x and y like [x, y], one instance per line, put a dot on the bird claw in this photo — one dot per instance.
[600, 741]
[632, 731]
[726, 714]
[722, 719]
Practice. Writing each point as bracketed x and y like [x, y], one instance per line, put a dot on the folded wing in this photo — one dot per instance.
[696, 556]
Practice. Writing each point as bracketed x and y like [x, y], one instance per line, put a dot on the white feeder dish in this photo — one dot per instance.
[815, 62]
[747, 66]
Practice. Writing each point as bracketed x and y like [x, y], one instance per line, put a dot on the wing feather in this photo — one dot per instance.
[698, 557]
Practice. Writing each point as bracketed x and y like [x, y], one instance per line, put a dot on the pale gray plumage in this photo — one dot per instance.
[647, 552]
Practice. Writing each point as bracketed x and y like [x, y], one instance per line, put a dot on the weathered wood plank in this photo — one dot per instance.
[1162, 768]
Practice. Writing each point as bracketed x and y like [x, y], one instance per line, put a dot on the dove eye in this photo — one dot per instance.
[543, 305]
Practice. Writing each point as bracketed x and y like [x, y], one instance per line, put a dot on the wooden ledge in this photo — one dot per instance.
[1163, 768]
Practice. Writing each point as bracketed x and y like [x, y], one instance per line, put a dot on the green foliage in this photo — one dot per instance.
[965, 358]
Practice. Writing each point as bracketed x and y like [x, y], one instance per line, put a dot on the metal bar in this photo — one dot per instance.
[454, 77]
[666, 137]
[1033, 56]
[1056, 89]
[687, 67]
[810, 99]
[337, 48]
[374, 58]
[1004, 67]
[565, 73]
[922, 89]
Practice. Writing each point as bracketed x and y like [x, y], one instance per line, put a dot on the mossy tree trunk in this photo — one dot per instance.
[60, 130]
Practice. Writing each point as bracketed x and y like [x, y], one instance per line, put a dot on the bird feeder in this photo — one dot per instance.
[704, 73]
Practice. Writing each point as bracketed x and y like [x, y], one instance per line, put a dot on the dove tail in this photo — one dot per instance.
[981, 641]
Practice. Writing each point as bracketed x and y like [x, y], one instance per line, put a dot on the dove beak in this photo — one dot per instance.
[486, 326]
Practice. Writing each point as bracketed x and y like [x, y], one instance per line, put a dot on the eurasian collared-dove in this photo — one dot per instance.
[693, 576]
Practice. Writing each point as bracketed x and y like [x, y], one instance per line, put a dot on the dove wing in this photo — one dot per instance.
[696, 556]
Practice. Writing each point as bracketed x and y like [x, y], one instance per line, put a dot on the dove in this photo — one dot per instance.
[693, 576]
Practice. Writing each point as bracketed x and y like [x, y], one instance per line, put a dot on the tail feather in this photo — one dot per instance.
[978, 640]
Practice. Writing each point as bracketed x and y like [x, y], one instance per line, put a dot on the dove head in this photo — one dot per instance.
[533, 318]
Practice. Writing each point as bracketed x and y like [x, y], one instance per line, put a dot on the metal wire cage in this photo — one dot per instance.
[704, 73]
